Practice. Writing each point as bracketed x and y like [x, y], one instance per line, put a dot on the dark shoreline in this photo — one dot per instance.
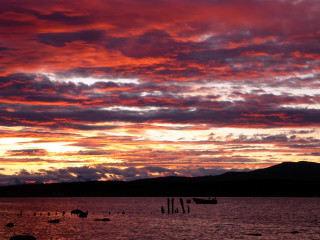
[289, 179]
[162, 189]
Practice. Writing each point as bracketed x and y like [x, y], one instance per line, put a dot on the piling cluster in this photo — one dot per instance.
[171, 207]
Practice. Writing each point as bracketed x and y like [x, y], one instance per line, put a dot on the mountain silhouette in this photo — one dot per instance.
[304, 171]
[294, 179]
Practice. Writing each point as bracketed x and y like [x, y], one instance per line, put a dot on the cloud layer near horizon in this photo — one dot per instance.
[165, 84]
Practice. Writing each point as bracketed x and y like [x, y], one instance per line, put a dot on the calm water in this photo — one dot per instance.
[231, 218]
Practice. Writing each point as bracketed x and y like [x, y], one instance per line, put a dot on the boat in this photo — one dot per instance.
[205, 201]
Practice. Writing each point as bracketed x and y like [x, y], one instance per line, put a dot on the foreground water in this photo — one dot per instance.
[141, 218]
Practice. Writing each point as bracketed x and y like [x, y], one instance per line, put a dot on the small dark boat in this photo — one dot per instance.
[205, 201]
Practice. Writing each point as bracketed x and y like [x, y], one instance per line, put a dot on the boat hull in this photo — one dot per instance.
[205, 201]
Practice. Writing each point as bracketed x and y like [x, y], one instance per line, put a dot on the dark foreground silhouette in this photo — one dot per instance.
[301, 179]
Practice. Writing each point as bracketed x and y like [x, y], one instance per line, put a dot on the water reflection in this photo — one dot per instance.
[142, 218]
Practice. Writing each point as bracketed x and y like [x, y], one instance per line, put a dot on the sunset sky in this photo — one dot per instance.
[127, 89]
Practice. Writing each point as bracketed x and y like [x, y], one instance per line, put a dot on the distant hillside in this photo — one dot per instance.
[304, 171]
[301, 179]
[291, 171]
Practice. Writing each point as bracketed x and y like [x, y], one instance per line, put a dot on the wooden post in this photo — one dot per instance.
[162, 209]
[172, 205]
[182, 206]
[168, 205]
[188, 209]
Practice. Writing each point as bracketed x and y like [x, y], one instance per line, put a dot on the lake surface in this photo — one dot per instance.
[141, 218]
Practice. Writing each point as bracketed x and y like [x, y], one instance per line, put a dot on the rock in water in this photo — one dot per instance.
[83, 215]
[254, 234]
[54, 221]
[23, 237]
[102, 219]
[76, 211]
[9, 224]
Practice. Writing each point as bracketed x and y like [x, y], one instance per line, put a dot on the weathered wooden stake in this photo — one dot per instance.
[188, 209]
[172, 205]
[182, 206]
[168, 205]
[162, 209]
